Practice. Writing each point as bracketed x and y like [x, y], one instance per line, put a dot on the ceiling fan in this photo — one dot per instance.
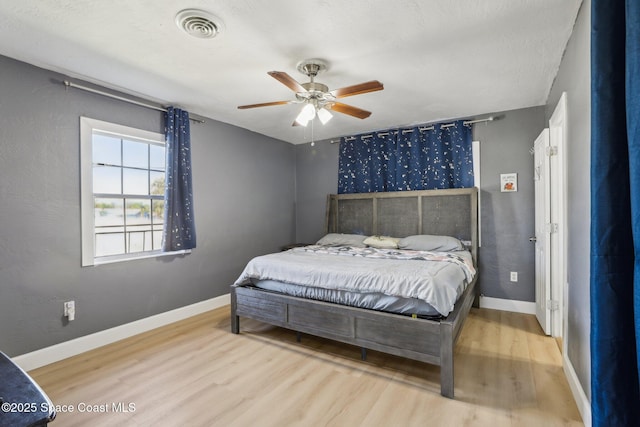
[316, 97]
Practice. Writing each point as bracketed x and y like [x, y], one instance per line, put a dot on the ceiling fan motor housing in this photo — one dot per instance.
[315, 87]
[317, 93]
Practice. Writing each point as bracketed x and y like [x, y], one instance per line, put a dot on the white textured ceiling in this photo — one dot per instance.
[437, 59]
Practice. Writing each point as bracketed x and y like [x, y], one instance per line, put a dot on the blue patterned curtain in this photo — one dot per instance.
[615, 213]
[179, 224]
[407, 159]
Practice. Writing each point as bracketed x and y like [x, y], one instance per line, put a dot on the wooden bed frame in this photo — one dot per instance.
[442, 212]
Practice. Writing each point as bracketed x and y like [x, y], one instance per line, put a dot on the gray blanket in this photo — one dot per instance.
[438, 278]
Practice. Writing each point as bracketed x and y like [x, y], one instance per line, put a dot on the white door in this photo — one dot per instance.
[558, 193]
[541, 176]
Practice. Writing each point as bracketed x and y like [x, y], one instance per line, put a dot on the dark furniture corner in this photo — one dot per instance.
[293, 245]
[22, 401]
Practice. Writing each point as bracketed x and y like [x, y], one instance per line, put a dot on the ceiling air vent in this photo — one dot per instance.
[198, 23]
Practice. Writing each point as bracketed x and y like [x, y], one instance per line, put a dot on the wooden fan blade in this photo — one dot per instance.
[358, 89]
[264, 104]
[350, 110]
[287, 80]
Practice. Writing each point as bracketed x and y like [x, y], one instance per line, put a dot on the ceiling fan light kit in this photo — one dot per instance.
[324, 115]
[311, 111]
[307, 113]
[316, 96]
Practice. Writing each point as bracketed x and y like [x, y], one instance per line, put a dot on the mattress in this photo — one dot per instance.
[434, 278]
[368, 300]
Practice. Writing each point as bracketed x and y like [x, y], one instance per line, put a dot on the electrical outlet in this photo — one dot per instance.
[514, 276]
[70, 310]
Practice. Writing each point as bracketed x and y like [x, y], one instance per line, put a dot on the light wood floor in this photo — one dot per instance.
[196, 373]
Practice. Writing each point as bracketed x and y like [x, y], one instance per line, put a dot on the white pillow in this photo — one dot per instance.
[428, 242]
[338, 239]
[382, 242]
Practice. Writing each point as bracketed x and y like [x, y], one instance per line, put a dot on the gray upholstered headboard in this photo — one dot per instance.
[452, 212]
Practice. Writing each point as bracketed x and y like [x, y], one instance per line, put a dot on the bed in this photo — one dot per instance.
[428, 337]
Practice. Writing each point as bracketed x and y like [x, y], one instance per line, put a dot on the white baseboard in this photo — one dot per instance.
[584, 406]
[525, 307]
[57, 352]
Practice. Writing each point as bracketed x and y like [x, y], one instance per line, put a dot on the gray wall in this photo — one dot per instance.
[507, 218]
[574, 77]
[244, 206]
[316, 176]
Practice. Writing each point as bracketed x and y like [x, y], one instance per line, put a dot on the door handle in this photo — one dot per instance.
[533, 239]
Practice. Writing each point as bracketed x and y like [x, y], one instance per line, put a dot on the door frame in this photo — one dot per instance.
[558, 181]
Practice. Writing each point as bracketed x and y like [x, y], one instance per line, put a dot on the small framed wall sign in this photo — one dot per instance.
[508, 182]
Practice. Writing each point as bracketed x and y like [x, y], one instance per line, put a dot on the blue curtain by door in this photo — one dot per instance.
[615, 212]
[407, 159]
[179, 223]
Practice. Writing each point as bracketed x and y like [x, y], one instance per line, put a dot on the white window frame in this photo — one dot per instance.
[87, 128]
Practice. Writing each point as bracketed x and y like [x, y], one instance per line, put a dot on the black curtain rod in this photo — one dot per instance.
[384, 133]
[122, 98]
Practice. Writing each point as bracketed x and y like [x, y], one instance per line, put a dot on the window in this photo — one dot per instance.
[122, 190]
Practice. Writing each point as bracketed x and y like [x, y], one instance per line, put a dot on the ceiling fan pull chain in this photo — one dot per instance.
[313, 143]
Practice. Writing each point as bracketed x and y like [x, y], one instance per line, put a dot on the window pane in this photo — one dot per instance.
[157, 240]
[108, 213]
[157, 182]
[148, 242]
[157, 157]
[135, 181]
[135, 154]
[135, 241]
[106, 149]
[157, 210]
[107, 179]
[138, 212]
[109, 243]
